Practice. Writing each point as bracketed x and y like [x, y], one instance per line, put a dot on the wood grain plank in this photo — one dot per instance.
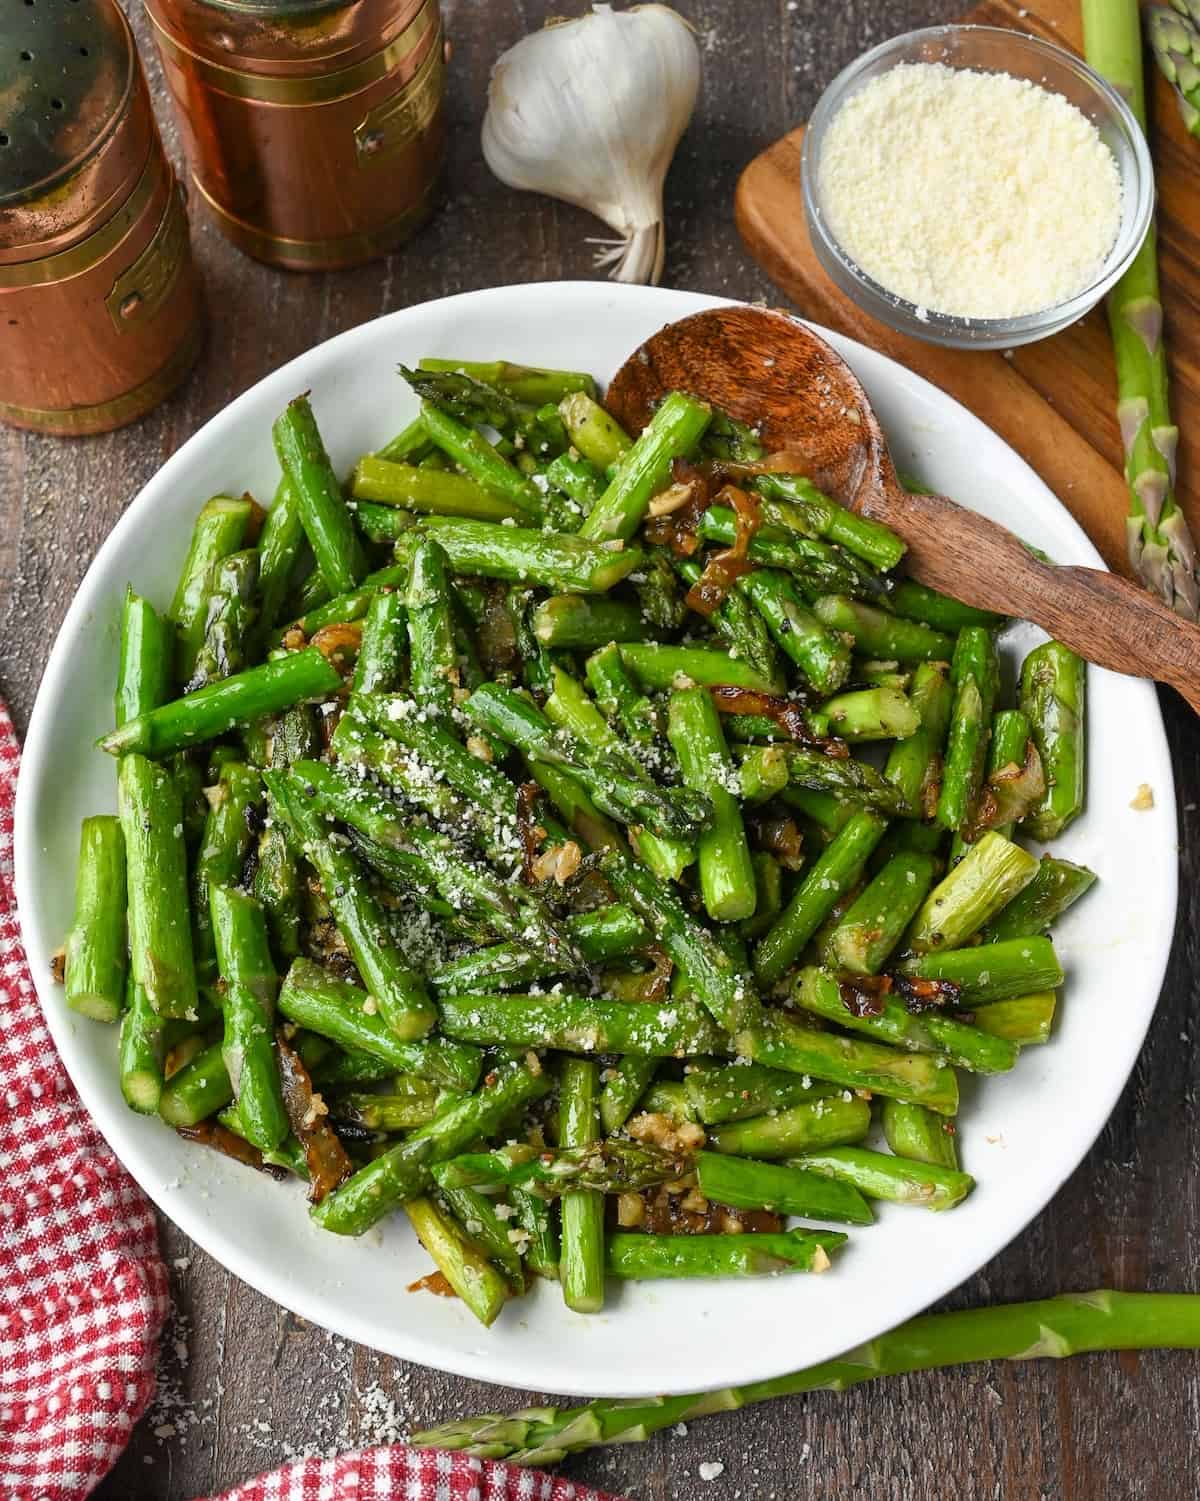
[1083, 1431]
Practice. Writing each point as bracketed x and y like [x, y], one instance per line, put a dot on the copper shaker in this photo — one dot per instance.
[99, 303]
[315, 129]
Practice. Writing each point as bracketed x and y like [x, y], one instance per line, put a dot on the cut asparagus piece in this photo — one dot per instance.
[742, 1090]
[974, 677]
[851, 1062]
[236, 701]
[868, 931]
[471, 1275]
[576, 622]
[898, 1179]
[248, 1001]
[1024, 1020]
[989, 876]
[637, 1257]
[830, 1121]
[821, 655]
[726, 874]
[674, 432]
[578, 1024]
[557, 561]
[1057, 886]
[833, 874]
[433, 491]
[916, 1133]
[599, 437]
[95, 961]
[745, 1184]
[992, 971]
[885, 637]
[659, 667]
[819, 993]
[219, 530]
[347, 1015]
[323, 513]
[581, 1268]
[1053, 691]
[433, 661]
[814, 514]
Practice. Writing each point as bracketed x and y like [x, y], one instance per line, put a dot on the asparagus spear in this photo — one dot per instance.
[574, 622]
[882, 712]
[823, 1122]
[433, 656]
[347, 1015]
[218, 531]
[830, 877]
[280, 544]
[527, 383]
[323, 513]
[822, 656]
[599, 437]
[745, 1184]
[472, 452]
[1161, 549]
[726, 874]
[578, 1024]
[1071, 1324]
[986, 879]
[231, 611]
[992, 971]
[1057, 885]
[741, 1090]
[248, 1001]
[603, 1167]
[1024, 1020]
[673, 432]
[1053, 692]
[433, 491]
[144, 674]
[913, 601]
[885, 637]
[221, 706]
[607, 933]
[381, 652]
[95, 950]
[634, 1257]
[198, 1090]
[898, 1179]
[740, 626]
[578, 479]
[868, 931]
[660, 666]
[967, 1047]
[581, 1268]
[345, 608]
[224, 846]
[974, 677]
[471, 1275]
[916, 1133]
[816, 515]
[555, 560]
[816, 567]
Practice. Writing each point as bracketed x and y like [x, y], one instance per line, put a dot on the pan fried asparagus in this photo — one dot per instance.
[603, 826]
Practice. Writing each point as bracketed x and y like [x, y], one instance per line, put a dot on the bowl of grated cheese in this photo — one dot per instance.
[974, 186]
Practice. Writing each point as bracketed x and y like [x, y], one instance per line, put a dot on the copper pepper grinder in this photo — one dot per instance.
[99, 303]
[314, 128]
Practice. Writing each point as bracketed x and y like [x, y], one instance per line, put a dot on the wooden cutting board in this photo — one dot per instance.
[1053, 401]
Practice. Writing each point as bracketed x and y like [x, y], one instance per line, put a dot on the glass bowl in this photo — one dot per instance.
[985, 49]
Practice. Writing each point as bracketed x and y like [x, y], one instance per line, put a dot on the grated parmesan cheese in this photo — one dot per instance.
[976, 194]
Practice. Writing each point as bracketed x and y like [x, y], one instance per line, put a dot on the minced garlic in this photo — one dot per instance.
[976, 194]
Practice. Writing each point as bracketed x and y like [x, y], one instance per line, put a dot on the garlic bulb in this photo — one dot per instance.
[591, 111]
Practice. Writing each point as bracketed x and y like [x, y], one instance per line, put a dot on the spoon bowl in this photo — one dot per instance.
[768, 369]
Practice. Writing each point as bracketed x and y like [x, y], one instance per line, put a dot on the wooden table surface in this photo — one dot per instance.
[246, 1385]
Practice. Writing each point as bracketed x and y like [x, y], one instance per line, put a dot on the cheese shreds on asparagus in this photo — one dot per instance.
[975, 194]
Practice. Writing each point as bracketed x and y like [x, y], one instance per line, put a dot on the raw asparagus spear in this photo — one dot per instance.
[916, 1133]
[248, 1001]
[726, 874]
[1053, 690]
[581, 1269]
[1161, 548]
[898, 1179]
[672, 433]
[95, 950]
[633, 1257]
[1071, 1324]
[347, 1015]
[239, 700]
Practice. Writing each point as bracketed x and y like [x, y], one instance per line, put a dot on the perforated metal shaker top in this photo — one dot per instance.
[66, 70]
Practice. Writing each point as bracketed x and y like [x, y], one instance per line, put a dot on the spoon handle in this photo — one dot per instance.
[1105, 618]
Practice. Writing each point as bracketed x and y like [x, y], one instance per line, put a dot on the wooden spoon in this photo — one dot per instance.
[767, 369]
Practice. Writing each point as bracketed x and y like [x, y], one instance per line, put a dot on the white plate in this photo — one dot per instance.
[1021, 1134]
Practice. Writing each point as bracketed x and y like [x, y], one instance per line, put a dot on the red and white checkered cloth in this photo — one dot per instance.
[83, 1290]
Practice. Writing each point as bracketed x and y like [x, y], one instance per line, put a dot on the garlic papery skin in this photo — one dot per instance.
[591, 111]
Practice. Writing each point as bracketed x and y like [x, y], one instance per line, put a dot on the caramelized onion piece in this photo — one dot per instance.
[788, 713]
[724, 568]
[328, 1164]
[529, 831]
[212, 1134]
[863, 995]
